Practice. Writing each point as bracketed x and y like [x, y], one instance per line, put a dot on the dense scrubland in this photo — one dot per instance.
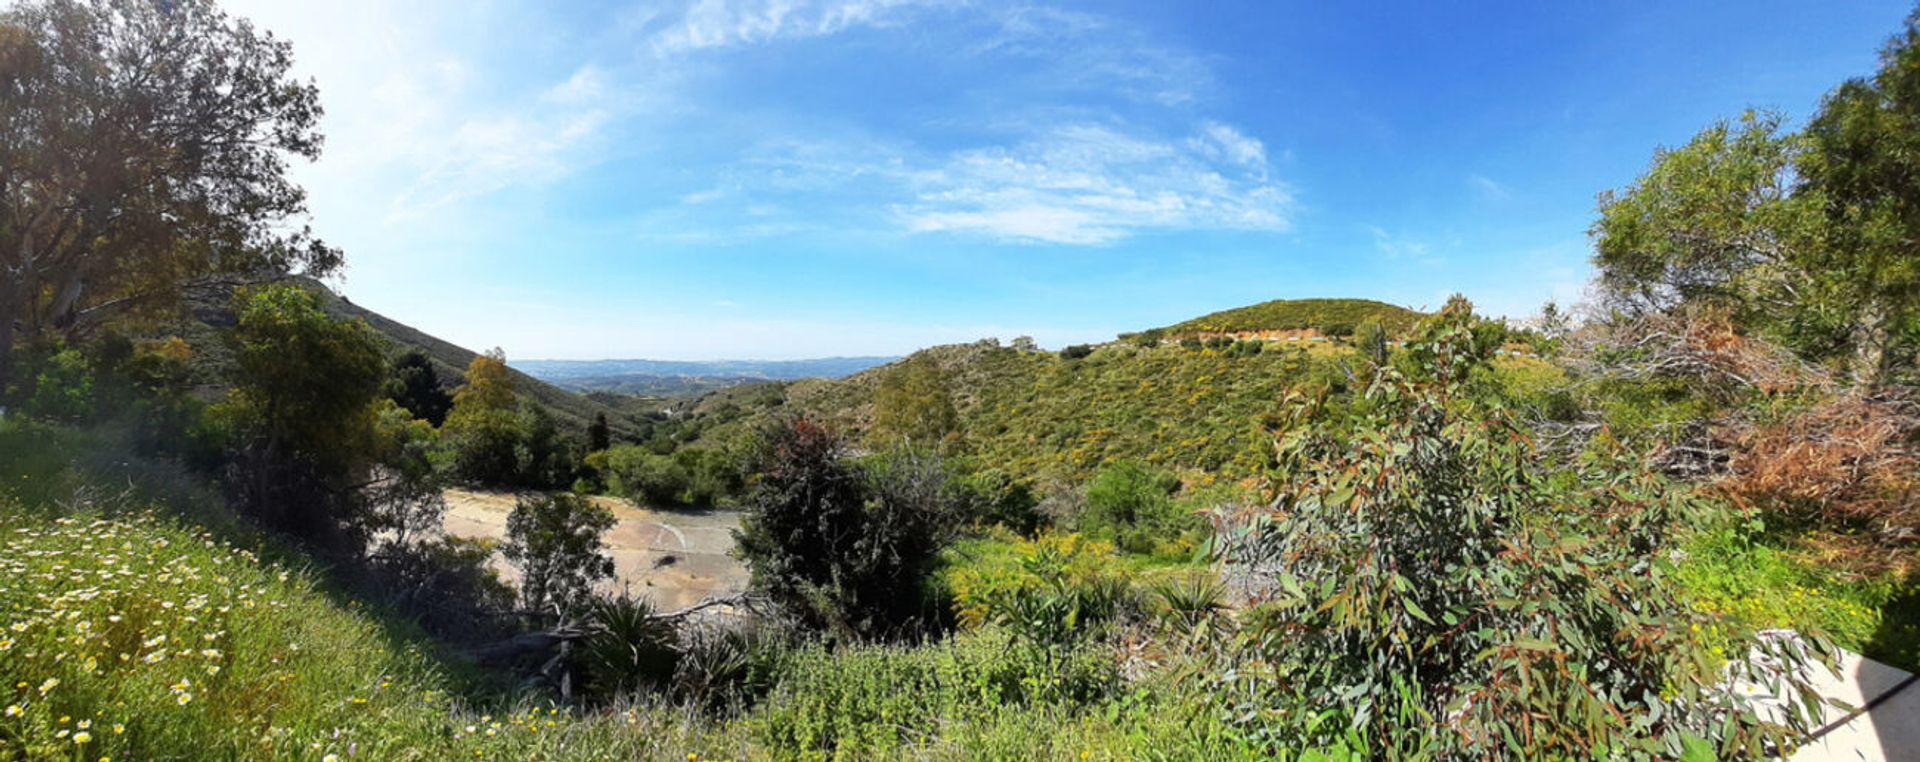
[1415, 536]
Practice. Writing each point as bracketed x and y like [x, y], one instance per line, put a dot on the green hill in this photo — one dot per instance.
[210, 314]
[1193, 410]
[1333, 317]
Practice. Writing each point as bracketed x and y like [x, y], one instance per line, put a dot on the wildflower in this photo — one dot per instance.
[14, 710]
[119, 728]
[185, 699]
[330, 758]
[50, 684]
[82, 737]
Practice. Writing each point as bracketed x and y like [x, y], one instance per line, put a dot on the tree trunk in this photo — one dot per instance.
[6, 352]
[1870, 340]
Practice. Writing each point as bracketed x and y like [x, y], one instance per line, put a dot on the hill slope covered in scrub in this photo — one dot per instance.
[210, 314]
[1333, 317]
[1195, 411]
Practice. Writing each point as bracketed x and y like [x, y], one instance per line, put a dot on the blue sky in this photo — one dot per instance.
[785, 178]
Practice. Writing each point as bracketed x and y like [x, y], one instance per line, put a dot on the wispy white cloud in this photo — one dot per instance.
[1488, 188]
[1093, 184]
[725, 23]
[1399, 246]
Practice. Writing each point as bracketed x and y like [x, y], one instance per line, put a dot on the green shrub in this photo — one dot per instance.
[982, 576]
[1134, 505]
[639, 475]
[554, 540]
[63, 387]
[1076, 352]
[999, 498]
[844, 548]
[630, 649]
[874, 701]
[727, 668]
[1415, 564]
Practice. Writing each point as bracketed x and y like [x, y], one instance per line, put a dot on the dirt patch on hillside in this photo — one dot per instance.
[674, 557]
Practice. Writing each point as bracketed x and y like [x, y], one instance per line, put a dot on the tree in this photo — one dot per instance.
[1862, 168]
[404, 501]
[303, 400]
[913, 406]
[554, 540]
[415, 385]
[484, 428]
[599, 436]
[1713, 222]
[1371, 340]
[841, 548]
[143, 146]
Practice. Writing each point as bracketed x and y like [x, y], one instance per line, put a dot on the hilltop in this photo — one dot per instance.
[1331, 317]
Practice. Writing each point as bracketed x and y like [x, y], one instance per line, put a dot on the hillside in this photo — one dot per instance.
[1192, 410]
[210, 313]
[1333, 317]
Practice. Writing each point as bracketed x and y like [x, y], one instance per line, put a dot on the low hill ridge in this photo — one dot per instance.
[1332, 317]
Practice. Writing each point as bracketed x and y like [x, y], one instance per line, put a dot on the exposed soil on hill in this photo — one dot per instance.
[674, 557]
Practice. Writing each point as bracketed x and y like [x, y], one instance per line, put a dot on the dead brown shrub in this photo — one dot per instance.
[1848, 461]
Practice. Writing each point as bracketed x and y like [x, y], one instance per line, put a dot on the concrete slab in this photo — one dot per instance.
[1889, 731]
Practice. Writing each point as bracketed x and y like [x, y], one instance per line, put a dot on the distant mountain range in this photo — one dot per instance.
[679, 377]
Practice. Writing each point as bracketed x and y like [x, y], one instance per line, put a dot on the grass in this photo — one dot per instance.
[1759, 579]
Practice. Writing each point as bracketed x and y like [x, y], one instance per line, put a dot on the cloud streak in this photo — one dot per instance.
[1094, 184]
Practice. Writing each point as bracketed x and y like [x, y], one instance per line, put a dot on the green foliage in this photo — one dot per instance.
[689, 476]
[62, 387]
[599, 436]
[1754, 580]
[986, 578]
[1710, 222]
[876, 701]
[211, 638]
[415, 385]
[1133, 504]
[630, 649]
[304, 379]
[1805, 236]
[1076, 352]
[1862, 164]
[1370, 338]
[1414, 564]
[1333, 317]
[724, 667]
[1191, 606]
[554, 541]
[179, 120]
[999, 498]
[840, 547]
[303, 408]
[912, 406]
[484, 426]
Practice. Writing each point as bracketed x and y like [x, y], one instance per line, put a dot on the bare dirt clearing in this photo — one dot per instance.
[674, 557]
